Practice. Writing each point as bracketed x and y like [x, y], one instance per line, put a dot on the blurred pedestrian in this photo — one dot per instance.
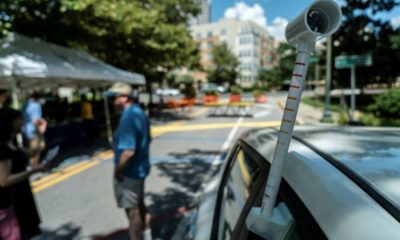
[87, 119]
[32, 115]
[5, 98]
[132, 165]
[19, 218]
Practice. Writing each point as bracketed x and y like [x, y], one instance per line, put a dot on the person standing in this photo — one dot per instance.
[19, 218]
[132, 164]
[5, 99]
[32, 114]
[87, 119]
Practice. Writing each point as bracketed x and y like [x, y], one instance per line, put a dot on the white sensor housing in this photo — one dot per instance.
[322, 18]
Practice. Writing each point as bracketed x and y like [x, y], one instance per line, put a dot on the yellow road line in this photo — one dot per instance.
[65, 176]
[194, 127]
[57, 174]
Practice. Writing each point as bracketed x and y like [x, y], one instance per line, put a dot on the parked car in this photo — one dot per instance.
[213, 87]
[338, 183]
[168, 92]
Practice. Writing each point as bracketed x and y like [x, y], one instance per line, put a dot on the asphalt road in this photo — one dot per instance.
[76, 201]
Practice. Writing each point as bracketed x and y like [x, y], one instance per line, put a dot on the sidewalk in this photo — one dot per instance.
[308, 115]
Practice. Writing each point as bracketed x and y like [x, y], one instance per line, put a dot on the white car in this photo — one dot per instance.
[213, 87]
[168, 92]
[338, 183]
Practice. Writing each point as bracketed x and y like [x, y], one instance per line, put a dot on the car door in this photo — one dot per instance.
[240, 181]
[304, 225]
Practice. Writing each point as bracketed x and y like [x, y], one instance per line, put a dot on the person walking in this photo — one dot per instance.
[132, 164]
[32, 115]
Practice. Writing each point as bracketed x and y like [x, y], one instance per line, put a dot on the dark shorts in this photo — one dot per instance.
[129, 192]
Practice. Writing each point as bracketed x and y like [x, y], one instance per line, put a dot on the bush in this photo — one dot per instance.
[387, 106]
[369, 119]
[235, 90]
[258, 92]
[212, 93]
[189, 91]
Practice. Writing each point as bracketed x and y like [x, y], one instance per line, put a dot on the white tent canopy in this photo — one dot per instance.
[30, 63]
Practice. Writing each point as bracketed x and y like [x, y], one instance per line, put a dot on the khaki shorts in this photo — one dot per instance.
[129, 192]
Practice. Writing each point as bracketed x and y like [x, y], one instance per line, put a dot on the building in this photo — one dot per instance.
[251, 43]
[205, 15]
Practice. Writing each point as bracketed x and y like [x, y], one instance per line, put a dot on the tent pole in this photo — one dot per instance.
[108, 120]
[14, 93]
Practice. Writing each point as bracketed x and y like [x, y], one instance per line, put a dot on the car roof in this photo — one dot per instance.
[372, 153]
[316, 180]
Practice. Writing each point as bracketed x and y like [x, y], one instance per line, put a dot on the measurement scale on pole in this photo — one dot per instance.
[321, 19]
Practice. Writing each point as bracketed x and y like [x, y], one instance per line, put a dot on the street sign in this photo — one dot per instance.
[314, 59]
[353, 60]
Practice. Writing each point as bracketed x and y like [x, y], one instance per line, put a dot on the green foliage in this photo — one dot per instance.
[274, 78]
[135, 35]
[368, 119]
[365, 31]
[258, 92]
[387, 105]
[225, 66]
[186, 79]
[189, 91]
[211, 93]
[235, 90]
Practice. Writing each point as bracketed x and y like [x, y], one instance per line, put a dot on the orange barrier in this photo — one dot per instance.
[184, 102]
[235, 98]
[209, 99]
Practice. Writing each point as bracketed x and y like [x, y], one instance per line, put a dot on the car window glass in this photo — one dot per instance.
[237, 189]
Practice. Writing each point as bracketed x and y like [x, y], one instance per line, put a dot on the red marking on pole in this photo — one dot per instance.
[292, 98]
[297, 75]
[300, 63]
[289, 109]
[294, 86]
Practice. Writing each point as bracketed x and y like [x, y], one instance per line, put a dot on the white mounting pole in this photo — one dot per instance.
[304, 51]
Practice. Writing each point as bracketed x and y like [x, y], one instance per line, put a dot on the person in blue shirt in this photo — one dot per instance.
[33, 121]
[132, 165]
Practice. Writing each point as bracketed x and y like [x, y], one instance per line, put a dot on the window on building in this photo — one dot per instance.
[198, 36]
[210, 44]
[209, 57]
[223, 32]
[209, 34]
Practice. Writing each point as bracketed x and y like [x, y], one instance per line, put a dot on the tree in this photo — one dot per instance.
[225, 66]
[275, 77]
[364, 32]
[137, 35]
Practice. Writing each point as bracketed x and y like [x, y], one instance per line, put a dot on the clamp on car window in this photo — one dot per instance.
[319, 20]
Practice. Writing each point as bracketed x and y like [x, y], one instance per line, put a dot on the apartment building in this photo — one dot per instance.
[251, 43]
[205, 13]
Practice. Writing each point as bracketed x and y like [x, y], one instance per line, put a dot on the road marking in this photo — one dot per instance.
[228, 142]
[52, 182]
[176, 126]
[195, 127]
[198, 113]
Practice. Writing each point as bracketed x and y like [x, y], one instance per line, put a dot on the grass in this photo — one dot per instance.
[315, 102]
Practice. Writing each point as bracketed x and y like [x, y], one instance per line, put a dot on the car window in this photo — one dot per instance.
[304, 227]
[237, 189]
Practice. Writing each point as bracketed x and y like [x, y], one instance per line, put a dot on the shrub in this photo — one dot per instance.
[189, 91]
[212, 93]
[258, 92]
[387, 105]
[235, 90]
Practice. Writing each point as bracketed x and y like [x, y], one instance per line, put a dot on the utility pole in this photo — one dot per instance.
[327, 116]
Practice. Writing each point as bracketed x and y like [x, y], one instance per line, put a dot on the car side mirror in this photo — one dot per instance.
[275, 227]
